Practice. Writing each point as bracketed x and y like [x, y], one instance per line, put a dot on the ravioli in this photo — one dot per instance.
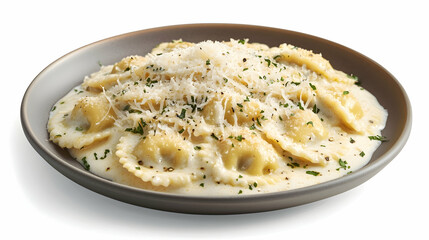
[219, 118]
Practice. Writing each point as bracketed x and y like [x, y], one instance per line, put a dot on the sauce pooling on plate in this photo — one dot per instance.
[219, 118]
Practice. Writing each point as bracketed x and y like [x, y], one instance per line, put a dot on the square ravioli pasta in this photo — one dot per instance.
[219, 118]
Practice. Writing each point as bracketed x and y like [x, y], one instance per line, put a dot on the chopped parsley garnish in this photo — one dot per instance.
[268, 61]
[149, 82]
[85, 164]
[240, 105]
[284, 105]
[312, 86]
[201, 184]
[314, 173]
[225, 79]
[247, 99]
[277, 56]
[253, 127]
[138, 129]
[208, 62]
[53, 108]
[343, 164]
[240, 192]
[214, 136]
[239, 138]
[181, 130]
[346, 92]
[310, 122]
[106, 151]
[315, 109]
[95, 156]
[79, 129]
[296, 83]
[182, 114]
[362, 154]
[357, 82]
[241, 41]
[352, 140]
[293, 164]
[127, 69]
[300, 106]
[134, 111]
[258, 122]
[378, 138]
[197, 148]
[137, 168]
[245, 69]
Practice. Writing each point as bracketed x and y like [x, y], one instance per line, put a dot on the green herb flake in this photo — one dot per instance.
[181, 130]
[138, 129]
[201, 184]
[352, 140]
[312, 86]
[343, 164]
[241, 41]
[240, 192]
[134, 111]
[245, 69]
[314, 173]
[137, 168]
[240, 105]
[225, 80]
[257, 121]
[208, 62]
[310, 122]
[268, 61]
[378, 138]
[315, 109]
[255, 184]
[106, 151]
[53, 108]
[239, 138]
[346, 92]
[79, 129]
[182, 114]
[253, 127]
[95, 156]
[214, 136]
[85, 164]
[197, 148]
[362, 154]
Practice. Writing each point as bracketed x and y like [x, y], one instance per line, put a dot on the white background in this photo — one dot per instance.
[38, 202]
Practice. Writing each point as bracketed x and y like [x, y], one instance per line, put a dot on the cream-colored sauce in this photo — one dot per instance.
[98, 151]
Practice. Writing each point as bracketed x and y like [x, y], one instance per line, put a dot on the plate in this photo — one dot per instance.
[69, 70]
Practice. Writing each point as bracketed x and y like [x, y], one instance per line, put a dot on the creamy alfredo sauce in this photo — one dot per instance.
[352, 149]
